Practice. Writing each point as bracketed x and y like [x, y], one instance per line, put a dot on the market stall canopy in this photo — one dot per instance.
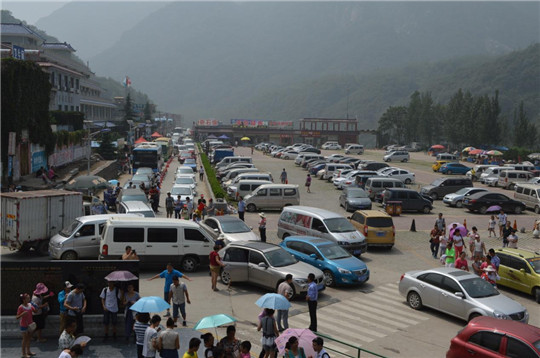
[476, 152]
[140, 140]
[245, 138]
[223, 137]
[156, 135]
[438, 146]
[211, 136]
[87, 182]
[468, 149]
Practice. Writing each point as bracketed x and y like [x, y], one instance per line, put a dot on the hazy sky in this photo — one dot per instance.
[31, 11]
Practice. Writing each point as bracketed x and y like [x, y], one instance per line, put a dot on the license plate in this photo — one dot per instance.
[357, 252]
[381, 233]
[466, 201]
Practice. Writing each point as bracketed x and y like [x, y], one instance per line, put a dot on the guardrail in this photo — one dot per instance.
[359, 350]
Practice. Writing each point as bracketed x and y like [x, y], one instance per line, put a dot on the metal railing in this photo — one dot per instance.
[359, 350]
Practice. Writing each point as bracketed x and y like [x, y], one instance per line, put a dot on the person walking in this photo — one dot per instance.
[495, 260]
[201, 173]
[317, 344]
[109, 301]
[194, 344]
[61, 299]
[150, 344]
[230, 344]
[491, 226]
[308, 182]
[450, 255]
[434, 241]
[169, 341]
[179, 295]
[26, 323]
[459, 243]
[76, 305]
[443, 241]
[178, 206]
[311, 298]
[130, 297]
[461, 263]
[72, 352]
[293, 350]
[241, 208]
[168, 275]
[140, 326]
[189, 208]
[283, 177]
[269, 332]
[512, 240]
[507, 231]
[477, 246]
[38, 298]
[440, 222]
[208, 341]
[215, 265]
[286, 291]
[169, 205]
[262, 227]
[503, 219]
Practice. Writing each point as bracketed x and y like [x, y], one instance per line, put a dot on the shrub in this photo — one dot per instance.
[211, 175]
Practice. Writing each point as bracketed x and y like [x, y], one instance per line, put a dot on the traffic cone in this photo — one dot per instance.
[515, 225]
[413, 226]
[465, 223]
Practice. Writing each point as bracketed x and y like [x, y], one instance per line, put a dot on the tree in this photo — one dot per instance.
[106, 148]
[524, 131]
[129, 114]
[392, 125]
[147, 112]
[414, 112]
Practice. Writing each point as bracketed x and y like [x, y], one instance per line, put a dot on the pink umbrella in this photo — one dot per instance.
[121, 276]
[462, 230]
[476, 151]
[305, 338]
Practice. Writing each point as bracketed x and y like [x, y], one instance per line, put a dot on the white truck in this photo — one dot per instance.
[31, 218]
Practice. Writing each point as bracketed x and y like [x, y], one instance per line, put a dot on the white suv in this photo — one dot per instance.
[331, 145]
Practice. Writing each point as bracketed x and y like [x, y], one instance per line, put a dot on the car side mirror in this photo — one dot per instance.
[313, 256]
[459, 294]
[522, 270]
[216, 230]
[77, 234]
[348, 217]
[262, 265]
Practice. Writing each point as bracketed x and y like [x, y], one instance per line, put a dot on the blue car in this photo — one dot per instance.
[315, 169]
[454, 168]
[192, 163]
[339, 266]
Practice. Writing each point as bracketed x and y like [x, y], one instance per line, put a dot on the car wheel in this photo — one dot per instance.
[388, 160]
[511, 187]
[459, 204]
[189, 264]
[434, 196]
[286, 158]
[536, 294]
[414, 300]
[251, 208]
[347, 208]
[518, 209]
[449, 172]
[69, 255]
[473, 316]
[404, 160]
[482, 210]
[285, 236]
[329, 278]
[408, 181]
[537, 209]
[426, 209]
[225, 277]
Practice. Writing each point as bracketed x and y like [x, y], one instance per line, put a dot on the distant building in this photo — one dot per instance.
[316, 131]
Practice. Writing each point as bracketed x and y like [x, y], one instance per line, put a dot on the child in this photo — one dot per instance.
[194, 344]
[245, 348]
[491, 226]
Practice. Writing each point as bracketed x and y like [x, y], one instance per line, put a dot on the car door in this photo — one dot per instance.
[194, 242]
[430, 288]
[86, 242]
[449, 302]
[516, 348]
[259, 271]
[210, 226]
[517, 279]
[308, 250]
[236, 263]
[164, 244]
[504, 202]
[274, 198]
[483, 344]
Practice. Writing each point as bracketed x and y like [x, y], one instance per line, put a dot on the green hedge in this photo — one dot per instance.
[211, 175]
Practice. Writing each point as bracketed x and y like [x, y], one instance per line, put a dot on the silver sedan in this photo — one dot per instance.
[458, 293]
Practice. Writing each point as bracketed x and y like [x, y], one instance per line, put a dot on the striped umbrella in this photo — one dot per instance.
[494, 153]
[468, 149]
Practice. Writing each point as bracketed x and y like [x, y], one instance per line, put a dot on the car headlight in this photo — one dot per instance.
[343, 271]
[500, 315]
[300, 281]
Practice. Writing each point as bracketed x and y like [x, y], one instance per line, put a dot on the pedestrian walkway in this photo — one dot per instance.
[364, 318]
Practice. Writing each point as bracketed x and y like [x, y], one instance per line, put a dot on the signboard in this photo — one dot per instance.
[22, 276]
[17, 52]
[12, 143]
[249, 123]
[310, 134]
[207, 122]
[280, 124]
[39, 159]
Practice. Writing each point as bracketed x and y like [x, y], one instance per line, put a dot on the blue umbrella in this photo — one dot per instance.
[213, 321]
[274, 301]
[150, 304]
[113, 182]
[223, 137]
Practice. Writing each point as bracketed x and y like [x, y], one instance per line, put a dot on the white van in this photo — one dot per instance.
[354, 149]
[245, 187]
[228, 160]
[530, 195]
[509, 178]
[526, 167]
[272, 197]
[492, 173]
[80, 239]
[303, 156]
[327, 173]
[136, 207]
[376, 185]
[447, 156]
[231, 175]
[252, 176]
[157, 241]
[310, 221]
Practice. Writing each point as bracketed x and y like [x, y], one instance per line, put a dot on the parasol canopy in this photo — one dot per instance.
[156, 135]
[140, 140]
[494, 153]
[476, 152]
[468, 149]
[150, 304]
[437, 146]
[87, 182]
[121, 276]
[245, 138]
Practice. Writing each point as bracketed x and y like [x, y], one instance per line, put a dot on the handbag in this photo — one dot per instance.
[32, 327]
[268, 341]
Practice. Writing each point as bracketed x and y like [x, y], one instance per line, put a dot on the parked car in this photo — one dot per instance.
[331, 146]
[192, 163]
[454, 168]
[266, 265]
[397, 156]
[230, 228]
[520, 269]
[529, 194]
[338, 265]
[487, 337]
[480, 202]
[134, 194]
[509, 178]
[404, 175]
[476, 171]
[410, 200]
[438, 164]
[377, 226]
[458, 293]
[142, 178]
[354, 198]
[354, 149]
[185, 191]
[334, 158]
[442, 186]
[373, 166]
[456, 199]
[311, 150]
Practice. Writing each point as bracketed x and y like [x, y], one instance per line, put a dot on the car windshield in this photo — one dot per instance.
[141, 177]
[184, 180]
[478, 288]
[233, 227]
[68, 230]
[358, 193]
[145, 171]
[279, 258]
[190, 161]
[535, 263]
[339, 225]
[379, 222]
[185, 170]
[136, 197]
[181, 191]
[437, 182]
[334, 252]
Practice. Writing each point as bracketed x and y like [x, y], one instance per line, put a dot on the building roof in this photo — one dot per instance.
[58, 46]
[329, 119]
[19, 29]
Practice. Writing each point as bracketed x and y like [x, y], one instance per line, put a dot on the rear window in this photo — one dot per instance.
[379, 222]
[128, 234]
[289, 192]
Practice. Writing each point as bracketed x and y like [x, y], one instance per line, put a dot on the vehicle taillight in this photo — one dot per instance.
[105, 250]
[472, 201]
[365, 231]
[401, 278]
[348, 182]
[506, 180]
[370, 191]
[394, 230]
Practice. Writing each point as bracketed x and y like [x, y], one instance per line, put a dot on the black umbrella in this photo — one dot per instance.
[87, 182]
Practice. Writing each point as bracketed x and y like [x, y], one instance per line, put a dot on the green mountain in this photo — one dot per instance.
[516, 76]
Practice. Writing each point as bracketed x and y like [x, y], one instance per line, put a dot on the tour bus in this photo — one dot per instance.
[166, 147]
[147, 155]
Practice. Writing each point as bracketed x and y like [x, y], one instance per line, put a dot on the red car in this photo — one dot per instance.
[491, 337]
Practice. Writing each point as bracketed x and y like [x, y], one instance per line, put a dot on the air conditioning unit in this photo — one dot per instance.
[77, 91]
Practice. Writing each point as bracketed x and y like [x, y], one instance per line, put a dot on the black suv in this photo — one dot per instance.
[410, 200]
[374, 166]
[482, 201]
[442, 186]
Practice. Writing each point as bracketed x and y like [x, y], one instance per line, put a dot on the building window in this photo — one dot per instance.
[66, 108]
[77, 83]
[77, 108]
[59, 107]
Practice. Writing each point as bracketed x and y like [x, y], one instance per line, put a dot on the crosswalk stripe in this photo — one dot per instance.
[366, 323]
[389, 289]
[399, 311]
[383, 313]
[366, 313]
[329, 316]
[331, 323]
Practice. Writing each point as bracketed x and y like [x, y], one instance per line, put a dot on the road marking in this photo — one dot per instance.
[333, 327]
[382, 312]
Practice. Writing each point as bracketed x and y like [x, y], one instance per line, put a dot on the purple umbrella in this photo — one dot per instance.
[121, 276]
[462, 230]
[494, 208]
